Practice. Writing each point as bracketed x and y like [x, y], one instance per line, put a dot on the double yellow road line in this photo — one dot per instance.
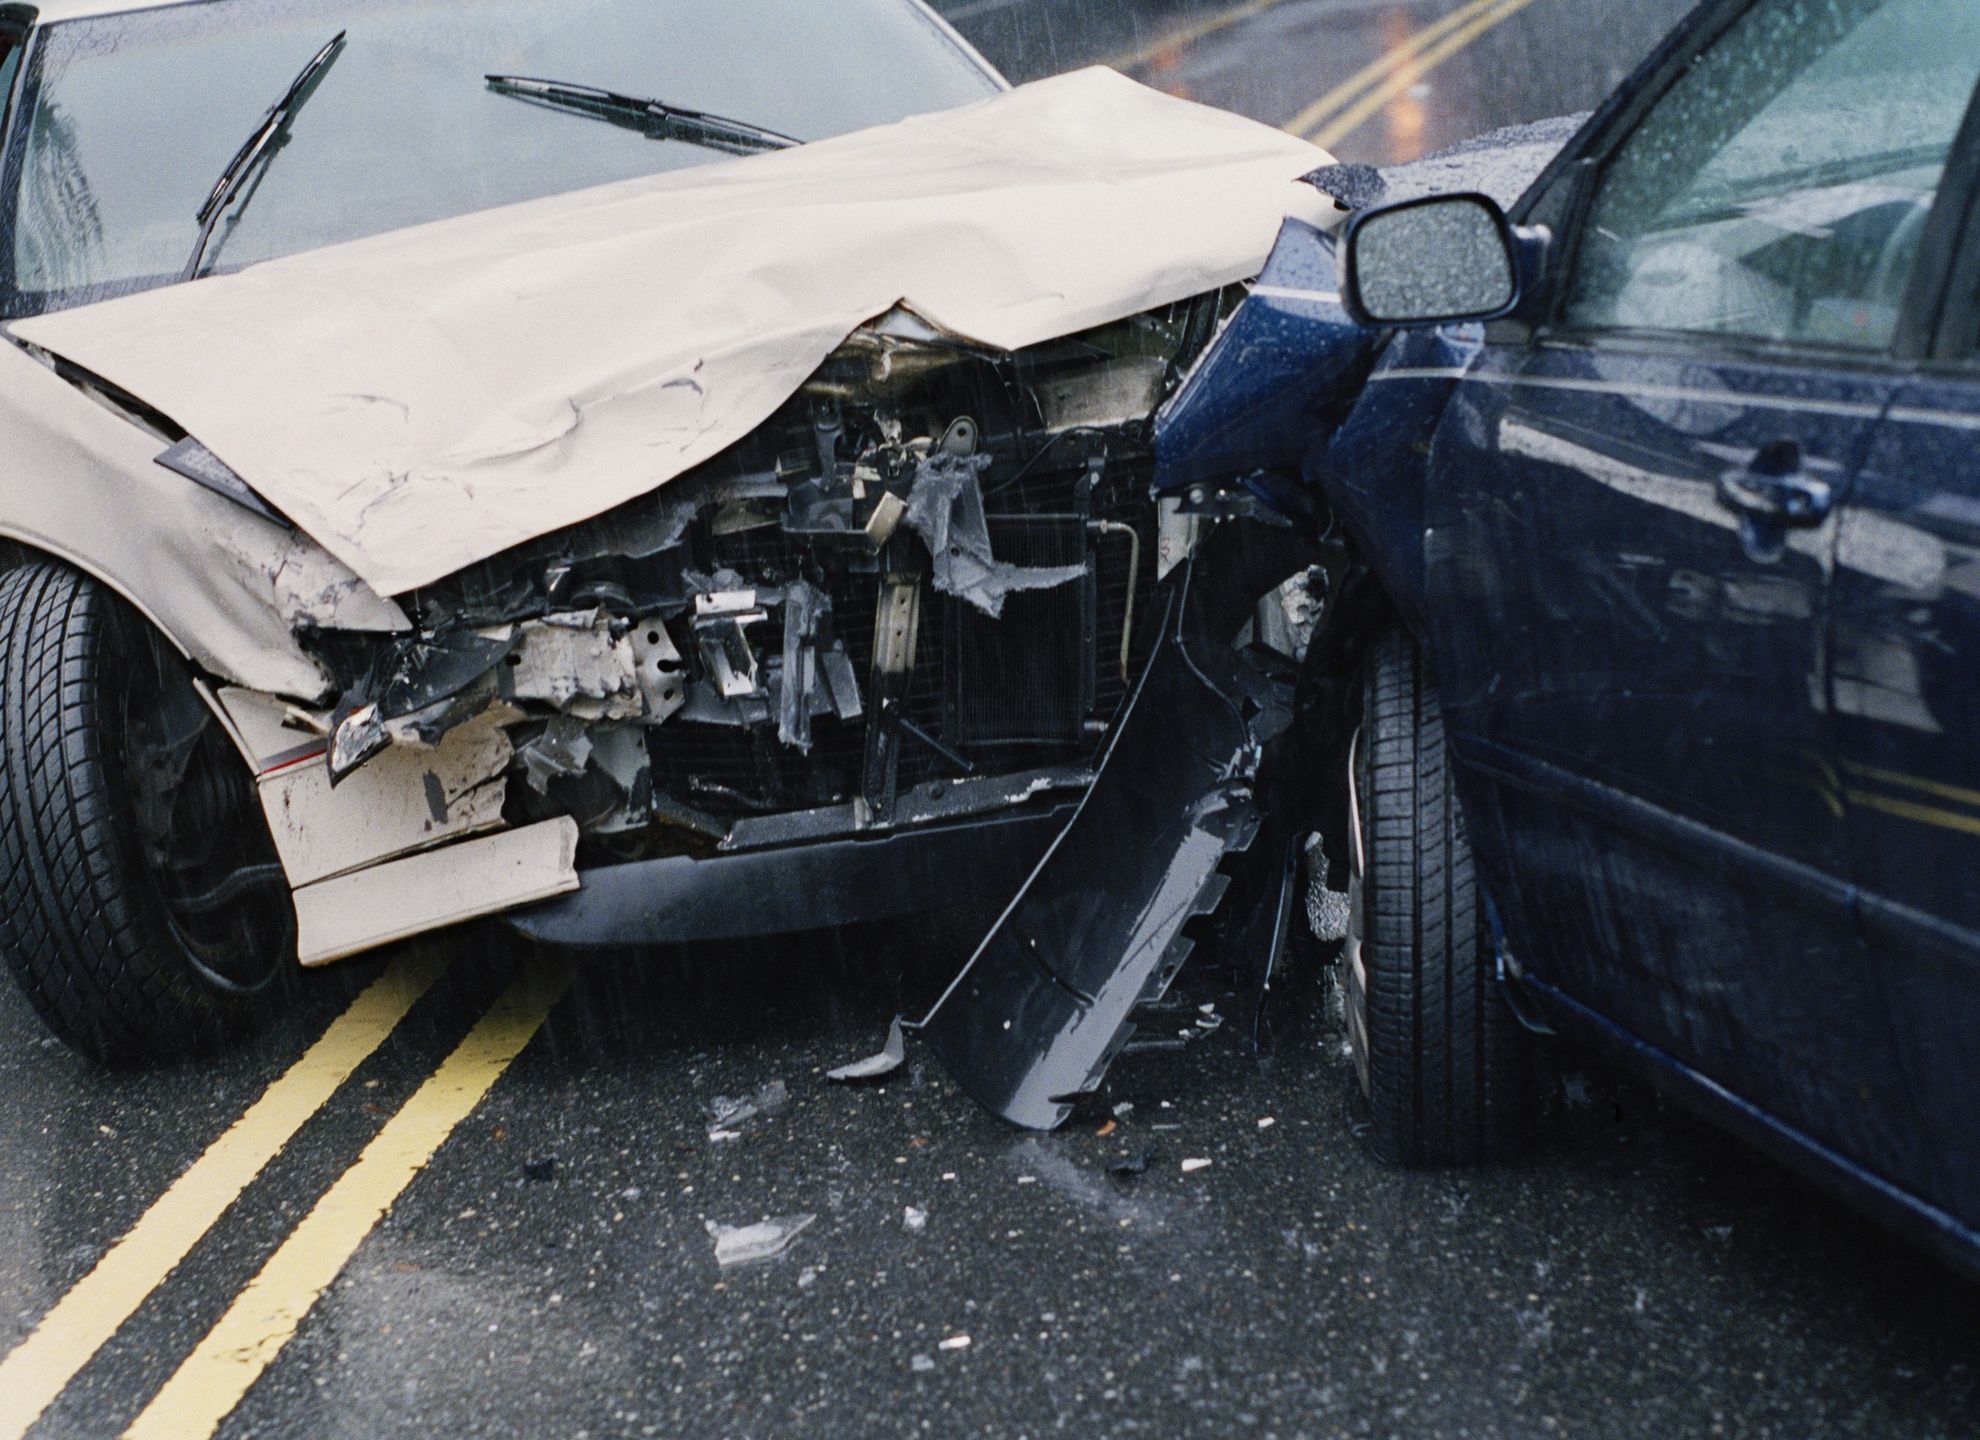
[1342, 110]
[1345, 108]
[262, 1319]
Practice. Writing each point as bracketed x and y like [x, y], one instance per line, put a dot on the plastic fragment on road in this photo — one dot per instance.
[922, 1364]
[873, 1067]
[750, 1244]
[955, 1342]
[1190, 1167]
[727, 1112]
[915, 1220]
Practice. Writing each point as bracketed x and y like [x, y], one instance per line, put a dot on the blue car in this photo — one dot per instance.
[1661, 593]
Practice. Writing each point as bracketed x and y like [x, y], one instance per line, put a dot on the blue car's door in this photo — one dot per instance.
[1630, 533]
[1906, 625]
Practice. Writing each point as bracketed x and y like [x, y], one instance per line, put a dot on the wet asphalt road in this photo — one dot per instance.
[550, 1273]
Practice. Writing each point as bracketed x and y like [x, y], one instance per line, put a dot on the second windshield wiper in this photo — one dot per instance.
[653, 118]
[262, 146]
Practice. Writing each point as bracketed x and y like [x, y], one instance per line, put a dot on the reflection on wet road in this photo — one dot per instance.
[448, 1194]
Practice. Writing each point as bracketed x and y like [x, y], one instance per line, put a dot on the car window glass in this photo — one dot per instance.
[133, 116]
[1779, 191]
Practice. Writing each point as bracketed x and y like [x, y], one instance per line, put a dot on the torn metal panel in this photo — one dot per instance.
[583, 664]
[946, 510]
[407, 800]
[555, 359]
[435, 889]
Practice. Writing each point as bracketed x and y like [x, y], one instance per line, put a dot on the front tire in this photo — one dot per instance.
[140, 909]
[1439, 1055]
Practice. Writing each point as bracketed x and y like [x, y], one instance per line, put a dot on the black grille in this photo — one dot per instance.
[1025, 678]
[1008, 694]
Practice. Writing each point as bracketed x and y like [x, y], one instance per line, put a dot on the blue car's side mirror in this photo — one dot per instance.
[1438, 260]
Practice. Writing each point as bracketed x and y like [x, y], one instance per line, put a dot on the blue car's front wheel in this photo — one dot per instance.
[1439, 1055]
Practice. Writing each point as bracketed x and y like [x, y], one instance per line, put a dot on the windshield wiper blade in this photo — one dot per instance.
[262, 146]
[654, 118]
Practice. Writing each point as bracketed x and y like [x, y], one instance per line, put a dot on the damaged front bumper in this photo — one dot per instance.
[862, 665]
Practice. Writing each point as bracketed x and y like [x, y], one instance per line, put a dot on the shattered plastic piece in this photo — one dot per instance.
[807, 1277]
[721, 1136]
[1327, 911]
[1107, 1129]
[765, 1240]
[955, 1342]
[946, 510]
[728, 1111]
[1190, 1167]
[874, 1066]
[1266, 1122]
[561, 752]
[915, 1220]
[541, 1169]
[922, 1364]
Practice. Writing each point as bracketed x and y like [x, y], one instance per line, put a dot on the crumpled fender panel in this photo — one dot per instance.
[1280, 374]
[425, 399]
[81, 483]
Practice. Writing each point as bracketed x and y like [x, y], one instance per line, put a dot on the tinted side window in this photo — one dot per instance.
[1780, 189]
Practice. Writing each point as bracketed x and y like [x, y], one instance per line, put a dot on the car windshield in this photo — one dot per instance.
[125, 121]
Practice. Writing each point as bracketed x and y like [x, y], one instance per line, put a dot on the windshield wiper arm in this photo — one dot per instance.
[653, 118]
[262, 146]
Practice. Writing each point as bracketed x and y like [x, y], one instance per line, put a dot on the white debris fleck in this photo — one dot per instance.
[1190, 1167]
[1266, 1122]
[955, 1342]
[922, 1364]
[765, 1240]
[719, 1136]
[915, 1220]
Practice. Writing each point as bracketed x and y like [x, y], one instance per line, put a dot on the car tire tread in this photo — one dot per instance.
[1445, 1053]
[85, 937]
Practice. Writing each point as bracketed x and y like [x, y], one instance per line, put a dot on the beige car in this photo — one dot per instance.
[652, 471]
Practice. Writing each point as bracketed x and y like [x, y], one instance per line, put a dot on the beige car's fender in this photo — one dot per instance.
[81, 483]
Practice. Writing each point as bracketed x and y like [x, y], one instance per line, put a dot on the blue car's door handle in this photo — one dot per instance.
[1775, 487]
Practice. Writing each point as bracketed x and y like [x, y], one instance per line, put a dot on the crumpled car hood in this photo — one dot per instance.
[425, 399]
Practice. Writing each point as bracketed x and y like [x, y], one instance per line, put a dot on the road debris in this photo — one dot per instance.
[1109, 1128]
[1132, 1166]
[955, 1342]
[765, 1240]
[922, 1364]
[915, 1220]
[1190, 1167]
[874, 1067]
[1266, 1122]
[728, 1112]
